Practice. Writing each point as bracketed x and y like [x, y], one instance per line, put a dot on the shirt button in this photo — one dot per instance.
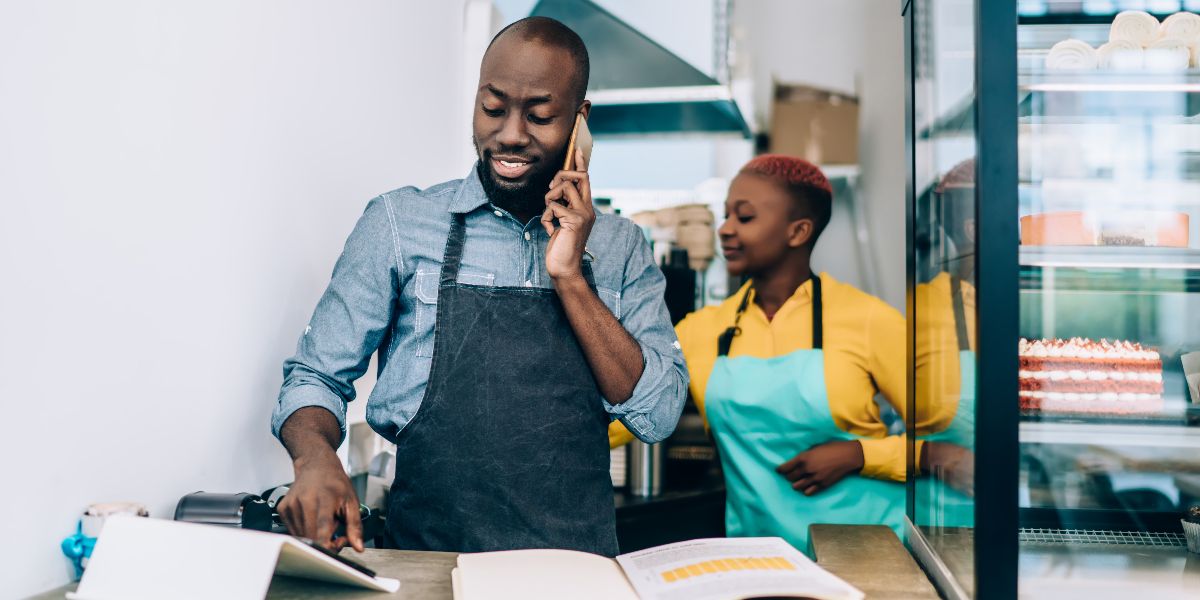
[527, 236]
[499, 214]
[528, 283]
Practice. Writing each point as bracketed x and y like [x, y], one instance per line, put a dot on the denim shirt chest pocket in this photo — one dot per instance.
[426, 285]
[611, 299]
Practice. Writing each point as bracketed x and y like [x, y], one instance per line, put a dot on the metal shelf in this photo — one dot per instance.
[1040, 80]
[1110, 257]
[1089, 434]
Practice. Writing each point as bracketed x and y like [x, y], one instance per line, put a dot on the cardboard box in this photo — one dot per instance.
[818, 125]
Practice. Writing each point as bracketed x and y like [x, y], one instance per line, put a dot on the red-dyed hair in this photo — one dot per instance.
[802, 179]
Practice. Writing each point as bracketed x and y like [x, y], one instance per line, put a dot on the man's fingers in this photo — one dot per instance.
[577, 183]
[296, 516]
[557, 211]
[353, 525]
[554, 195]
[285, 514]
[326, 524]
[572, 196]
[585, 185]
[561, 176]
[580, 161]
[565, 193]
[548, 221]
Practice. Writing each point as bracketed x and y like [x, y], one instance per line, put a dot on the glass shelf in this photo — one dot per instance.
[1110, 257]
[1110, 434]
[1140, 82]
[1109, 270]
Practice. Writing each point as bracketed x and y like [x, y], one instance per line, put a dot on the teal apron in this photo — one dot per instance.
[937, 503]
[764, 411]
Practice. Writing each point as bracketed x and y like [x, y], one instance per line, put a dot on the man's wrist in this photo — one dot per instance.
[315, 454]
[569, 282]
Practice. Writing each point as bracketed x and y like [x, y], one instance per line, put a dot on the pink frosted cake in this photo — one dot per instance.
[1084, 376]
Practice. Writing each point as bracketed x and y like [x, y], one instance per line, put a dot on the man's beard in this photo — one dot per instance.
[528, 198]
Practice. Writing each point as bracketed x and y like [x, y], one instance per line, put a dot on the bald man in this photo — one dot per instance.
[505, 349]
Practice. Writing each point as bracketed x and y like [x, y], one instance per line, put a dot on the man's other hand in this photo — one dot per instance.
[321, 497]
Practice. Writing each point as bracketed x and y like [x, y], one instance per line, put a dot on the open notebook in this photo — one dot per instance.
[138, 558]
[712, 569]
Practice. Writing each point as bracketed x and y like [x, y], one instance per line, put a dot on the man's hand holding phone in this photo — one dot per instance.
[570, 202]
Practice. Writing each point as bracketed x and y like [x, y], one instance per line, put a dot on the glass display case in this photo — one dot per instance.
[1054, 303]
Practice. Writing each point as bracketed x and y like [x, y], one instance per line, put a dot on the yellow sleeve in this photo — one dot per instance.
[885, 458]
[618, 435]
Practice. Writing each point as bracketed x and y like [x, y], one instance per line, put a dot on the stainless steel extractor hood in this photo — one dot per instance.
[637, 87]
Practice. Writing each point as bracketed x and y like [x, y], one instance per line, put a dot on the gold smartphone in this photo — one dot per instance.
[581, 138]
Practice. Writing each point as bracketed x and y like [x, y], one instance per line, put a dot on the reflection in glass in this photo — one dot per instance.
[942, 417]
[945, 360]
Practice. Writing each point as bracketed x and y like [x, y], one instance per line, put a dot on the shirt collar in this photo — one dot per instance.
[470, 194]
[802, 295]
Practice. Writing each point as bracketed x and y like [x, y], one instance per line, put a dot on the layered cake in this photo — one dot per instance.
[1084, 376]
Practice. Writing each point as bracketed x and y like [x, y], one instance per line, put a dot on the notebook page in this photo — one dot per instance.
[729, 569]
[540, 574]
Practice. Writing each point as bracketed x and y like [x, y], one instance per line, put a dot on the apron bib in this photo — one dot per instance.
[509, 448]
[939, 504]
[765, 411]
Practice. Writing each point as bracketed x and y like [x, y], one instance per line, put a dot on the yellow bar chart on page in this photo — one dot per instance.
[768, 563]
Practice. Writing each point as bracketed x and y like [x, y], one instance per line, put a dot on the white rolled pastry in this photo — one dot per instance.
[1122, 55]
[1168, 55]
[1136, 26]
[1183, 26]
[1071, 55]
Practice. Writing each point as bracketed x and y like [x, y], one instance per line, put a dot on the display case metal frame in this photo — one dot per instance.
[995, 541]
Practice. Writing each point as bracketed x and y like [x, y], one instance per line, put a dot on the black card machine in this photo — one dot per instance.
[242, 510]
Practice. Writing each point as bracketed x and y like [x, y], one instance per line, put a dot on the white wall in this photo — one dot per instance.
[852, 46]
[176, 181]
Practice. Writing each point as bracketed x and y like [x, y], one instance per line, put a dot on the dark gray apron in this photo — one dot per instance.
[509, 448]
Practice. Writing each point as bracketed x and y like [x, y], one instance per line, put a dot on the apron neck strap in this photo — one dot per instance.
[726, 338]
[818, 323]
[452, 257]
[725, 341]
[960, 314]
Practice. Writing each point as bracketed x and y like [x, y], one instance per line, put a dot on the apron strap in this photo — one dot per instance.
[960, 314]
[587, 274]
[725, 341]
[818, 324]
[452, 257]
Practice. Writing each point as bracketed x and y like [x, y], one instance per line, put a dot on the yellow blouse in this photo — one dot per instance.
[864, 354]
[938, 384]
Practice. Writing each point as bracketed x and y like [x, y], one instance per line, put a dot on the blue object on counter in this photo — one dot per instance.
[78, 547]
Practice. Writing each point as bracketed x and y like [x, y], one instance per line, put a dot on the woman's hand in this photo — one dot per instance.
[951, 463]
[821, 466]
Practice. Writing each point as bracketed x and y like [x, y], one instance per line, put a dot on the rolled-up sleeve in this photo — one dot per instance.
[653, 410]
[348, 324]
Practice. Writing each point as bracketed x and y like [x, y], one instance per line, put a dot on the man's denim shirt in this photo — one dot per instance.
[384, 291]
